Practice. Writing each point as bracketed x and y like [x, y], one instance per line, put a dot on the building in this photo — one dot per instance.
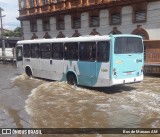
[10, 42]
[72, 18]
[89, 17]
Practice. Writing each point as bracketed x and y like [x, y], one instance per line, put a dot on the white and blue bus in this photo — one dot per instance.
[95, 61]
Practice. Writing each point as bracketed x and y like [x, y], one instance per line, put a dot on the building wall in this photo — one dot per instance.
[152, 26]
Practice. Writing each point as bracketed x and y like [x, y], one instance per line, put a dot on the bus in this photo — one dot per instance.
[94, 61]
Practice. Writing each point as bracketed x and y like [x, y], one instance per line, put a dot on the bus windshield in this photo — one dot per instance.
[127, 45]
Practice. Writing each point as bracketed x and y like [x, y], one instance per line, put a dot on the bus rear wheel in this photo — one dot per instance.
[71, 79]
[28, 72]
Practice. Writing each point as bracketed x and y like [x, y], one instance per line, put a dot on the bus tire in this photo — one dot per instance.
[28, 72]
[71, 79]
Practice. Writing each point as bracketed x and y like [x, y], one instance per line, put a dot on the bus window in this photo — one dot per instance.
[57, 50]
[103, 49]
[127, 45]
[45, 51]
[26, 50]
[71, 51]
[87, 51]
[35, 50]
[19, 54]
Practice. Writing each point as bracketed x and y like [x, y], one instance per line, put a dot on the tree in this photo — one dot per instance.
[15, 33]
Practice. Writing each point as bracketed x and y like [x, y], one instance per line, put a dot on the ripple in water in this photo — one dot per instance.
[56, 104]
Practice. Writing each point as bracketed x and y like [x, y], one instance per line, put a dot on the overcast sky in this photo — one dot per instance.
[11, 11]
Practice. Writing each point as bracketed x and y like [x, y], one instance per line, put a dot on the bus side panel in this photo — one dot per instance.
[102, 74]
[57, 70]
[85, 73]
[46, 69]
[36, 67]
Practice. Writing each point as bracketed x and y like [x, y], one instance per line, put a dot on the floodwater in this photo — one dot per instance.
[28, 102]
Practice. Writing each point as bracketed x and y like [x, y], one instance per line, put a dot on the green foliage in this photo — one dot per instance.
[15, 33]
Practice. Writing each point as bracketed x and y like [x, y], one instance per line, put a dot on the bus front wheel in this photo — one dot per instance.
[28, 72]
[71, 79]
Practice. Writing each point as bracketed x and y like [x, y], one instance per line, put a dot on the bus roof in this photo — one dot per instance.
[76, 39]
[66, 39]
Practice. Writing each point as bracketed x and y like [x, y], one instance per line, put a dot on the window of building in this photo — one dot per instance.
[115, 15]
[140, 16]
[45, 50]
[94, 21]
[87, 51]
[26, 50]
[60, 24]
[71, 51]
[46, 24]
[76, 22]
[33, 25]
[31, 3]
[57, 50]
[116, 19]
[139, 12]
[35, 50]
[103, 50]
[44, 2]
[94, 18]
[23, 4]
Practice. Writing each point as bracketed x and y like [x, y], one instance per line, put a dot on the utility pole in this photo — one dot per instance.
[3, 42]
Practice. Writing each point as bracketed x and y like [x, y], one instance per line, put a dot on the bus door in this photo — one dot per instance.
[103, 63]
[35, 61]
[46, 61]
[19, 58]
[87, 64]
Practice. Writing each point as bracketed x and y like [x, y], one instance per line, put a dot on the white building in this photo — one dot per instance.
[39, 17]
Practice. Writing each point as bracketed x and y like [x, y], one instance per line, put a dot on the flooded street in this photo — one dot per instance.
[28, 102]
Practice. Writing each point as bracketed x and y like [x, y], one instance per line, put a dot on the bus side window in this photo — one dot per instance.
[19, 54]
[71, 51]
[87, 51]
[26, 50]
[35, 50]
[103, 50]
[57, 50]
[45, 50]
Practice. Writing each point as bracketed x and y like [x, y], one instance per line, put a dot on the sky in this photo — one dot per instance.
[10, 8]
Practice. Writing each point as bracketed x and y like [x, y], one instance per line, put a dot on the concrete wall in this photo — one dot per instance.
[152, 26]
